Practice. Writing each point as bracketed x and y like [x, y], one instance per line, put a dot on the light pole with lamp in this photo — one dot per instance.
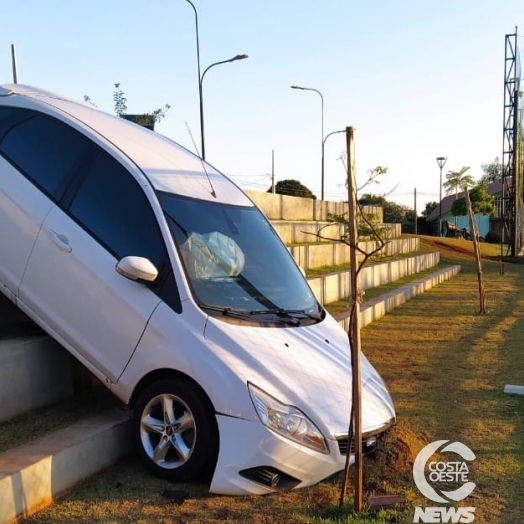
[201, 78]
[441, 160]
[198, 67]
[237, 57]
[321, 136]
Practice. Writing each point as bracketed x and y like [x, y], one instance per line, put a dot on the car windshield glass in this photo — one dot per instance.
[235, 261]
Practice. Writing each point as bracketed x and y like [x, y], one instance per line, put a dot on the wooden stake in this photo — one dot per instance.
[476, 250]
[354, 331]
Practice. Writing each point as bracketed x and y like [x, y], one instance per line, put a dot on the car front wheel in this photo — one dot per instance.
[176, 430]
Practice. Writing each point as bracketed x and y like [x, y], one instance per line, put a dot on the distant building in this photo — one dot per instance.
[483, 222]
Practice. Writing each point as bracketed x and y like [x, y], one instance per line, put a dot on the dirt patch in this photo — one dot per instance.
[391, 464]
[462, 247]
[442, 246]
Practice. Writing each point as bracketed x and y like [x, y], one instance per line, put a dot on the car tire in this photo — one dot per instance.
[176, 431]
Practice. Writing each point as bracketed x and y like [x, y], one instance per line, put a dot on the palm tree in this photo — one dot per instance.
[456, 180]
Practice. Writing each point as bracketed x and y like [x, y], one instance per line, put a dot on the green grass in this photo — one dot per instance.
[445, 365]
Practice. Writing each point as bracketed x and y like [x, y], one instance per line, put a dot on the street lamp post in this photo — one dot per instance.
[198, 67]
[201, 78]
[441, 160]
[237, 57]
[321, 136]
[323, 150]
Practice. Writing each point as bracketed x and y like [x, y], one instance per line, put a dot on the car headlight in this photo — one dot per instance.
[287, 421]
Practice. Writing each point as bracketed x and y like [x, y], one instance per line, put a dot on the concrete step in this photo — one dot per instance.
[33, 475]
[378, 307]
[337, 285]
[35, 371]
[311, 256]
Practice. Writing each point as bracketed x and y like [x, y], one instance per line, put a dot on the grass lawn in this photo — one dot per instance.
[446, 367]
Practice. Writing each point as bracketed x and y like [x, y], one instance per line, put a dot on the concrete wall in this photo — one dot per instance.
[307, 231]
[284, 207]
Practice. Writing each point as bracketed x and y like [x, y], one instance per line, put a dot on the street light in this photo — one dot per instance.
[201, 77]
[237, 57]
[323, 150]
[321, 136]
[198, 66]
[441, 160]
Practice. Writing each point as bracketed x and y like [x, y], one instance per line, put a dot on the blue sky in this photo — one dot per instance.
[417, 79]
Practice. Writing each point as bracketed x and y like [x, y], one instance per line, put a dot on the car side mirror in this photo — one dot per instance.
[137, 268]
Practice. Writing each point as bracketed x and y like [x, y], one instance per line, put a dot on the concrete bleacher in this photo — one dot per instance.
[322, 254]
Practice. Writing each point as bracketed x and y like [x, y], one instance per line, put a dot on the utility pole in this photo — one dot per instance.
[415, 209]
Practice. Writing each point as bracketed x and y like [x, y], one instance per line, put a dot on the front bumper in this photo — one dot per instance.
[256, 461]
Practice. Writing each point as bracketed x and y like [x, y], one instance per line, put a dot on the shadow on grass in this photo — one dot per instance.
[446, 366]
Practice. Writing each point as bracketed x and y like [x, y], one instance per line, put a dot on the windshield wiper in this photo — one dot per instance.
[287, 315]
[284, 316]
[227, 311]
[292, 312]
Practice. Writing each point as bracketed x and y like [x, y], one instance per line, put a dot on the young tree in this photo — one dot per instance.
[120, 101]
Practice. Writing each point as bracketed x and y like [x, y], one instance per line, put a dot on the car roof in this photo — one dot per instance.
[168, 166]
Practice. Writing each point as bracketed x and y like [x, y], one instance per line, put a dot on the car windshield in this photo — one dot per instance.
[236, 263]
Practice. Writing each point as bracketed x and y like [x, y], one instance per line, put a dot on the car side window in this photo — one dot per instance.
[46, 151]
[110, 204]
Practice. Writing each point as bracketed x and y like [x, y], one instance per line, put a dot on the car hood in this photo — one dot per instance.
[308, 367]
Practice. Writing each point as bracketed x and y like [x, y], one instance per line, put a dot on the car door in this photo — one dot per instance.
[36, 158]
[71, 281]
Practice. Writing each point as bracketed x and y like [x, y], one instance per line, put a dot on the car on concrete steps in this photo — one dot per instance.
[165, 280]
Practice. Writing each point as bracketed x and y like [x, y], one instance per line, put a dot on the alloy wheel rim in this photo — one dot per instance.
[168, 431]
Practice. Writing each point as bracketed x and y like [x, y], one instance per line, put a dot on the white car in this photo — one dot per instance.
[165, 280]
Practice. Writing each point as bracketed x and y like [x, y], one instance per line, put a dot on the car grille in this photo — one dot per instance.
[369, 440]
[367, 445]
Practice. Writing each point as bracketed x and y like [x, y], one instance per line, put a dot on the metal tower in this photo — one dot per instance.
[512, 150]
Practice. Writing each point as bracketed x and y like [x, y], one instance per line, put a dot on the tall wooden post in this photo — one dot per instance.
[476, 250]
[354, 331]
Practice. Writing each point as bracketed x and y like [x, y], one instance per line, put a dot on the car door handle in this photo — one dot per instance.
[61, 241]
